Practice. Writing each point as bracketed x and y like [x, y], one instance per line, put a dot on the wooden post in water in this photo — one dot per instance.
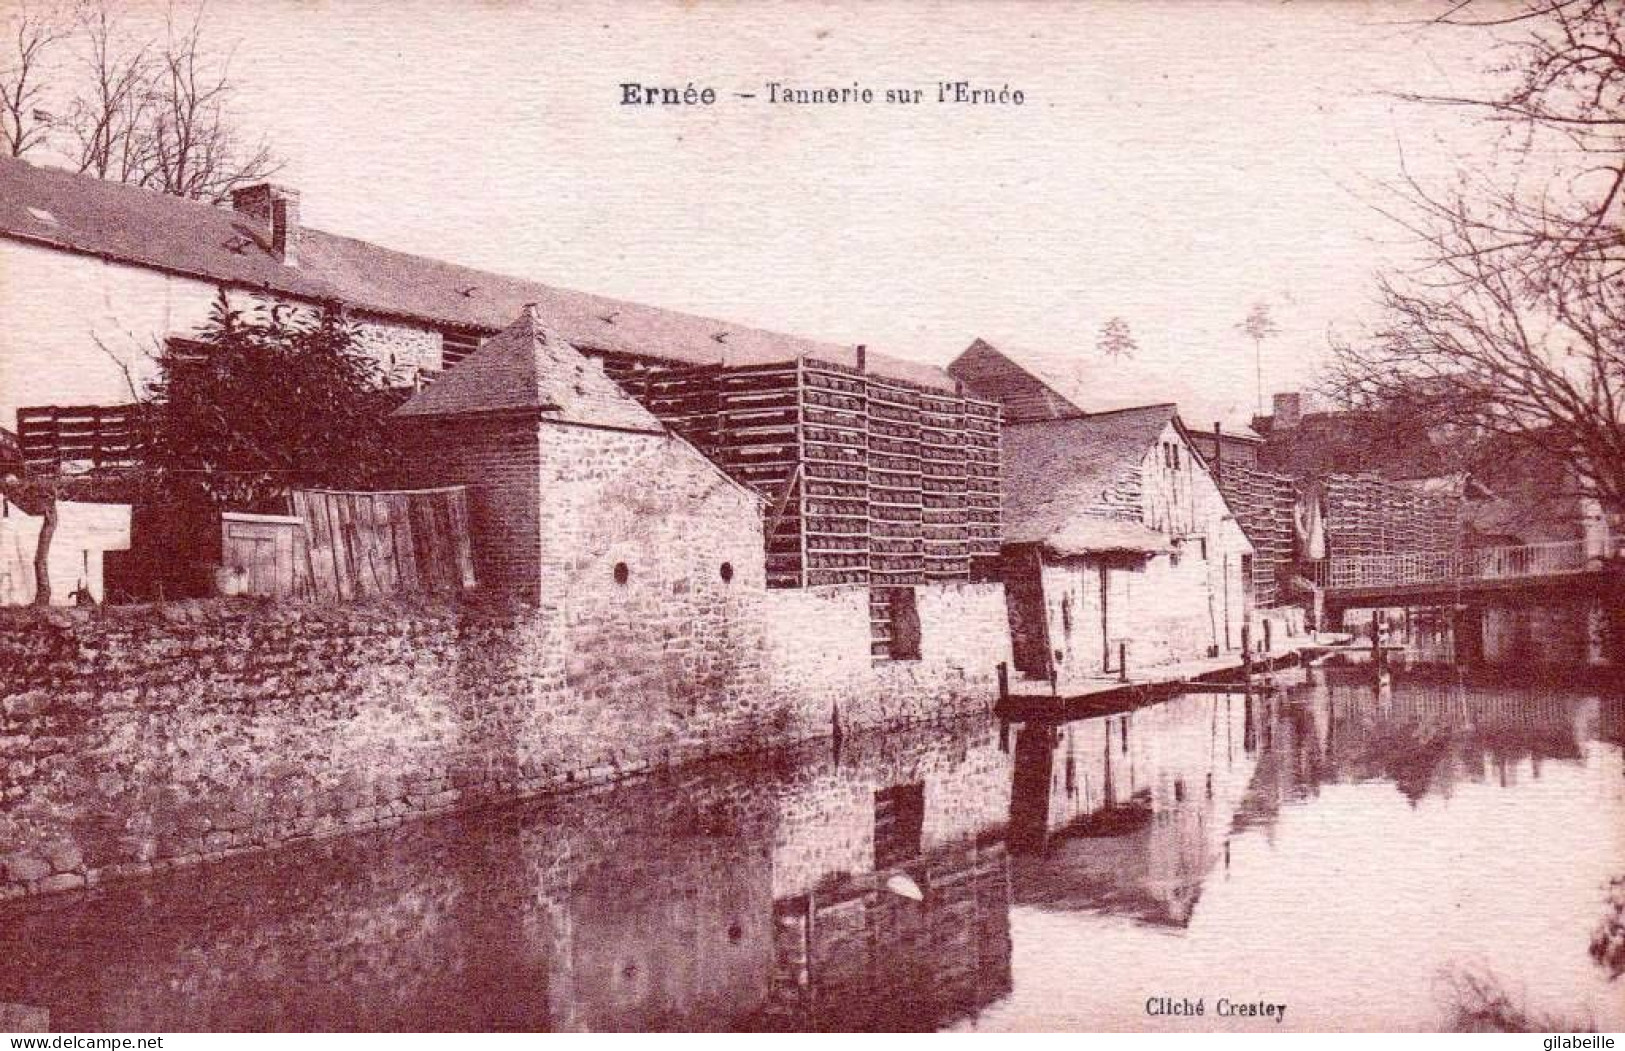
[1004, 681]
[1376, 641]
[1267, 640]
[1247, 650]
[1122, 662]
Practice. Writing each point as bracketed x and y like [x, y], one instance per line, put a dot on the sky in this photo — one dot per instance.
[1172, 164]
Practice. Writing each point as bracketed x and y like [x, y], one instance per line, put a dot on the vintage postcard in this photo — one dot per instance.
[910, 516]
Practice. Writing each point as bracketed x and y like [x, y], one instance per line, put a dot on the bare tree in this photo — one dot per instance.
[1514, 324]
[1563, 96]
[193, 147]
[1258, 326]
[32, 35]
[111, 113]
[154, 113]
[35, 495]
[1115, 340]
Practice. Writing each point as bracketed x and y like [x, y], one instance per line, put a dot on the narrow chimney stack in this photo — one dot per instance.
[863, 358]
[276, 208]
[1288, 411]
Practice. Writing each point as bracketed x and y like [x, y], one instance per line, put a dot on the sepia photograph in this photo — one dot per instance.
[811, 516]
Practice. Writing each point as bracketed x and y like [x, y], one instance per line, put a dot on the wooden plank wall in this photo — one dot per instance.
[1263, 505]
[1369, 515]
[367, 544]
[869, 480]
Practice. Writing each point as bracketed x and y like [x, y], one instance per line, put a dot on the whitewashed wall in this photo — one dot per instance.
[84, 534]
[61, 309]
[77, 330]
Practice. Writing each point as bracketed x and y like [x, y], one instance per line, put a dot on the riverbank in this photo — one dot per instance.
[134, 740]
[1112, 693]
[1296, 822]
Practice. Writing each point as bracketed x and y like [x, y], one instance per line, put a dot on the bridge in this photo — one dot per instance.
[1455, 576]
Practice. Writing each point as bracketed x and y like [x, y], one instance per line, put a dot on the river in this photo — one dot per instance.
[1423, 856]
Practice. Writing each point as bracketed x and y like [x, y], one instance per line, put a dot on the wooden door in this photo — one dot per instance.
[1029, 623]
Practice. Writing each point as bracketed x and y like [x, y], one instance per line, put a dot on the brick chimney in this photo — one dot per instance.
[1288, 411]
[277, 209]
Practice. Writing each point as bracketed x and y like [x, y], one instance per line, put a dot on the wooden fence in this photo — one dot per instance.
[364, 544]
[352, 545]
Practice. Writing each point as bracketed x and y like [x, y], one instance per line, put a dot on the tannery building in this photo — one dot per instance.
[1119, 548]
[871, 481]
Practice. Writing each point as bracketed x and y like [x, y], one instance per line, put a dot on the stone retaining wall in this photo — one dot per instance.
[137, 739]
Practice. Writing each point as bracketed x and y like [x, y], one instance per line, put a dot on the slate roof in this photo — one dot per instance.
[142, 227]
[992, 374]
[1056, 471]
[1061, 384]
[530, 368]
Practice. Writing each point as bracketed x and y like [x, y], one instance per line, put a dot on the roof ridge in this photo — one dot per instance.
[723, 324]
[142, 227]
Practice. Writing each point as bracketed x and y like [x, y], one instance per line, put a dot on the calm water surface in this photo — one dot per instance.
[1367, 858]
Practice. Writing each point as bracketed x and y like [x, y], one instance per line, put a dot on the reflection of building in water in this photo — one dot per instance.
[662, 933]
[1128, 813]
[1611, 720]
[1423, 737]
[653, 905]
[892, 889]
[862, 954]
[649, 905]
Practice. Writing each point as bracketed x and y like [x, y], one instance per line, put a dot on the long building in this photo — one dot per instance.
[876, 470]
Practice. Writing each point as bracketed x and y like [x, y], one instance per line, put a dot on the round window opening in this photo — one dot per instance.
[621, 573]
[727, 571]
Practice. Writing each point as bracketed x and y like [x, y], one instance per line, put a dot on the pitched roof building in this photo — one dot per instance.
[260, 245]
[1061, 474]
[993, 374]
[528, 368]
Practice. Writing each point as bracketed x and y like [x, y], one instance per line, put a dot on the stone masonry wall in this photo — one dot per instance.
[137, 739]
[404, 351]
[818, 649]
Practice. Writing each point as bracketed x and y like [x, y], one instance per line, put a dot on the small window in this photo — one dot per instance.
[622, 573]
[727, 572]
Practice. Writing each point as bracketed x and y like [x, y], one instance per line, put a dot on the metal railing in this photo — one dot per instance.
[1487, 563]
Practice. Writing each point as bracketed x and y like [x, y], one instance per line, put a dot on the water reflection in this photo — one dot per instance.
[1335, 846]
[723, 896]
[1128, 813]
[1362, 853]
